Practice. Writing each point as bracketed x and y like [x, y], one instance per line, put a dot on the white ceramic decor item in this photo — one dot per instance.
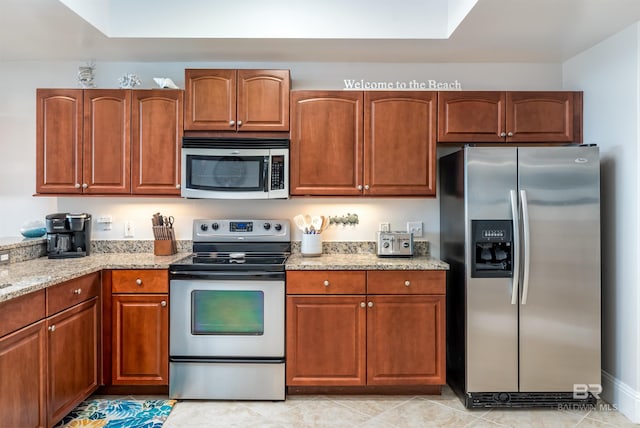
[85, 76]
[311, 245]
[165, 82]
[129, 81]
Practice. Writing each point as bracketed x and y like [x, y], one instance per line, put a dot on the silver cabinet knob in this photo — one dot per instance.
[510, 134]
[77, 186]
[359, 186]
[52, 328]
[239, 123]
[139, 281]
[407, 283]
[370, 304]
[366, 187]
[326, 283]
[163, 303]
[503, 134]
[177, 186]
[85, 185]
[362, 305]
[77, 291]
[232, 122]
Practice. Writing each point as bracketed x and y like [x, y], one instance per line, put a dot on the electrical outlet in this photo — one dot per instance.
[105, 221]
[128, 229]
[384, 227]
[415, 227]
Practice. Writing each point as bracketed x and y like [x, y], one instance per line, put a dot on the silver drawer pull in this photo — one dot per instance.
[77, 291]
[407, 283]
[370, 304]
[362, 304]
[326, 283]
[52, 328]
[163, 303]
[139, 281]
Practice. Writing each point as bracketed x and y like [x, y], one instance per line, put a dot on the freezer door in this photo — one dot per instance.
[491, 318]
[560, 302]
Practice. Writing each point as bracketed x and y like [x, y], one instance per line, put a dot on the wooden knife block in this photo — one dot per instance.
[164, 247]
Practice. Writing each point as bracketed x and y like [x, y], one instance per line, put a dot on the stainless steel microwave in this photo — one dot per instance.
[242, 168]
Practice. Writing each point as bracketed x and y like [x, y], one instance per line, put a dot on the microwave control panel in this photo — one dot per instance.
[277, 172]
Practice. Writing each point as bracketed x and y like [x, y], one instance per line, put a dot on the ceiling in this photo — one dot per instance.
[494, 31]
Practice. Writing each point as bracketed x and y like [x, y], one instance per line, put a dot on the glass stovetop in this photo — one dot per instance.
[222, 261]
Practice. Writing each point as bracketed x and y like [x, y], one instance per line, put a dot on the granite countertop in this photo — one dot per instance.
[363, 262]
[17, 279]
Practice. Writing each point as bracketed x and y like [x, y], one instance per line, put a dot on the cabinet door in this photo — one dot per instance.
[471, 116]
[59, 140]
[72, 353]
[23, 379]
[406, 340]
[263, 100]
[140, 348]
[400, 143]
[540, 117]
[107, 141]
[210, 98]
[156, 126]
[326, 143]
[326, 340]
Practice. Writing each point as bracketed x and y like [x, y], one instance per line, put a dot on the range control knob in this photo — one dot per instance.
[214, 226]
[267, 226]
[204, 227]
[385, 244]
[278, 227]
[405, 244]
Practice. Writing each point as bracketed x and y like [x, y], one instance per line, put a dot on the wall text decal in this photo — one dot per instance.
[411, 85]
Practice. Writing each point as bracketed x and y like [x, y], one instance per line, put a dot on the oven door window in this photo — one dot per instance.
[227, 312]
[226, 173]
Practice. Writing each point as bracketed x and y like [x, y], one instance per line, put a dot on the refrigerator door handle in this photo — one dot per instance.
[527, 245]
[515, 214]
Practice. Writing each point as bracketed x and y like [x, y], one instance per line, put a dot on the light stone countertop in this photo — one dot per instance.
[363, 262]
[17, 279]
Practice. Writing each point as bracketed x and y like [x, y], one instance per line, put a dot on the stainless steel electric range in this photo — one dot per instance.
[227, 312]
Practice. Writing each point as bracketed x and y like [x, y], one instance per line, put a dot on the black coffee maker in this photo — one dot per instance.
[68, 235]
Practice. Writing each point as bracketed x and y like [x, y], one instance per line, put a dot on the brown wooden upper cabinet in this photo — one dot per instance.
[108, 141]
[237, 100]
[509, 117]
[349, 143]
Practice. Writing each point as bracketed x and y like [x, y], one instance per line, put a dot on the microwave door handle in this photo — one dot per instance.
[266, 173]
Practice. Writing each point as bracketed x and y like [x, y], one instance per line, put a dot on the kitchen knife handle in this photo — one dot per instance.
[515, 214]
[527, 245]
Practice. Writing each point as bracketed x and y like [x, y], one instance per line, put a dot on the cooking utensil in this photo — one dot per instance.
[316, 223]
[307, 220]
[299, 221]
[325, 223]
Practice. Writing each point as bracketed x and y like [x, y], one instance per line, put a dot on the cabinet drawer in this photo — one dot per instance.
[406, 282]
[70, 293]
[21, 311]
[140, 281]
[326, 282]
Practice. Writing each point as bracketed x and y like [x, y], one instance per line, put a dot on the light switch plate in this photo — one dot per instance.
[384, 226]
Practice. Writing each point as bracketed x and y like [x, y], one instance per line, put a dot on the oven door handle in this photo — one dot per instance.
[226, 274]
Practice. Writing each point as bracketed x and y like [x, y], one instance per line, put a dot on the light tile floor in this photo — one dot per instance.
[380, 411]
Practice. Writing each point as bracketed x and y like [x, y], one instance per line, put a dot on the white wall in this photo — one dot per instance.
[17, 139]
[608, 73]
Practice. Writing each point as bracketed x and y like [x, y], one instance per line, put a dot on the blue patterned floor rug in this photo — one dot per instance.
[119, 413]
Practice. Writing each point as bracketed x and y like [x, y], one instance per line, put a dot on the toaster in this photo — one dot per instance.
[395, 244]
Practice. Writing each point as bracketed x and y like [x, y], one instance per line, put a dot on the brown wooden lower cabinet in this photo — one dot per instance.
[140, 339]
[49, 352]
[138, 308]
[72, 353]
[23, 379]
[365, 339]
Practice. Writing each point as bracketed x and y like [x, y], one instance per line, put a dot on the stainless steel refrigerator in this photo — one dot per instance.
[520, 228]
